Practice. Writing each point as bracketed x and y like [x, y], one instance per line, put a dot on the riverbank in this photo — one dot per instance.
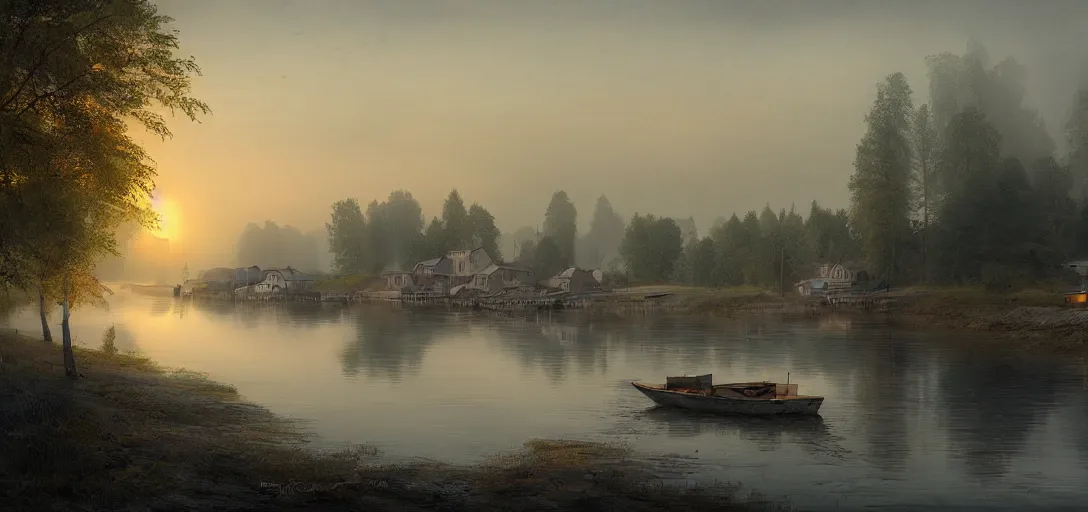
[133, 435]
[1032, 318]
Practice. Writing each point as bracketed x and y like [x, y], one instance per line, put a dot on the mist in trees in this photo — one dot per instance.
[561, 225]
[392, 235]
[967, 188]
[599, 248]
[274, 246]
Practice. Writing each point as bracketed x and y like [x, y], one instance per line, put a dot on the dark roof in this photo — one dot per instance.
[492, 268]
[430, 262]
[290, 274]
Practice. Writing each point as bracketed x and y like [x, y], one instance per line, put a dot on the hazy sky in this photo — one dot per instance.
[671, 107]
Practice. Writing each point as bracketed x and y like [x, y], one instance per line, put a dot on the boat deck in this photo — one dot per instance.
[713, 391]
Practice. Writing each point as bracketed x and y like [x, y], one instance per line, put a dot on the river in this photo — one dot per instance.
[911, 419]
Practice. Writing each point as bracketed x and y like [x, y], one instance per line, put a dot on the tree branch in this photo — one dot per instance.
[41, 62]
[52, 93]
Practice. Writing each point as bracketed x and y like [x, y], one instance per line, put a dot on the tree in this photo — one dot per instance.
[701, 256]
[651, 247]
[484, 233]
[432, 243]
[455, 219]
[515, 244]
[925, 148]
[969, 170]
[394, 229]
[880, 186]
[547, 258]
[601, 244]
[347, 237]
[561, 225]
[1076, 135]
[1057, 212]
[729, 239]
[275, 246]
[72, 72]
[961, 82]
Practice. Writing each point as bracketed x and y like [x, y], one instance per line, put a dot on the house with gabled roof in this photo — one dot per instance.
[498, 277]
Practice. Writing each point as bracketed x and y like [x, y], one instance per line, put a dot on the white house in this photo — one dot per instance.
[398, 280]
[283, 280]
[839, 276]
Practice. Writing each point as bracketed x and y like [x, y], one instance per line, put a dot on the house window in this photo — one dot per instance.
[461, 267]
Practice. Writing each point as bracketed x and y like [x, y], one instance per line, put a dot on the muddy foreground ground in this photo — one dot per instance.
[132, 436]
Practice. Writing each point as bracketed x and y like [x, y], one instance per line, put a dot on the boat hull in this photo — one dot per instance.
[802, 405]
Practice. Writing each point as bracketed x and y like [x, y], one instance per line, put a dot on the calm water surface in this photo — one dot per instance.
[910, 419]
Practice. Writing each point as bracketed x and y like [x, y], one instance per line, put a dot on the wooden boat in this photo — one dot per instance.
[742, 398]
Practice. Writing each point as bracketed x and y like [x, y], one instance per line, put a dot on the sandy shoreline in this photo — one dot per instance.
[134, 436]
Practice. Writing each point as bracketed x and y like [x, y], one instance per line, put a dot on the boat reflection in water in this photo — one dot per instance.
[767, 433]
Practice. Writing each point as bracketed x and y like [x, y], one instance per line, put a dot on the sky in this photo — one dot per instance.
[677, 108]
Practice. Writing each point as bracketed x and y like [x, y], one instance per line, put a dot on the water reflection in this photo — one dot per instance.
[769, 434]
[910, 418]
[389, 343]
[992, 405]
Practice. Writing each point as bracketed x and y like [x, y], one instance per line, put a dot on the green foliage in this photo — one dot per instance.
[391, 233]
[484, 232]
[880, 188]
[394, 229]
[348, 237]
[650, 247]
[455, 220]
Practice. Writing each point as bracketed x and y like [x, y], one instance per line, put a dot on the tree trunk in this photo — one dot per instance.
[925, 222]
[46, 334]
[66, 336]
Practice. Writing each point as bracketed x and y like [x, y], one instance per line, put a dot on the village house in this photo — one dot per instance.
[398, 280]
[433, 274]
[283, 281]
[832, 278]
[498, 277]
[432, 266]
[468, 263]
[575, 280]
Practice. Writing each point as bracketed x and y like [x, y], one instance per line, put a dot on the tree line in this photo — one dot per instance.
[967, 187]
[74, 74]
[963, 189]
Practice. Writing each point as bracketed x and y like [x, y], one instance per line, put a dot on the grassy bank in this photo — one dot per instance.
[133, 435]
[1031, 317]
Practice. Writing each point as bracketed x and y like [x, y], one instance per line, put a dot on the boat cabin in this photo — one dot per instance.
[704, 384]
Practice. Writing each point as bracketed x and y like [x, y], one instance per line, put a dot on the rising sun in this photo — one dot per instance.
[169, 217]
